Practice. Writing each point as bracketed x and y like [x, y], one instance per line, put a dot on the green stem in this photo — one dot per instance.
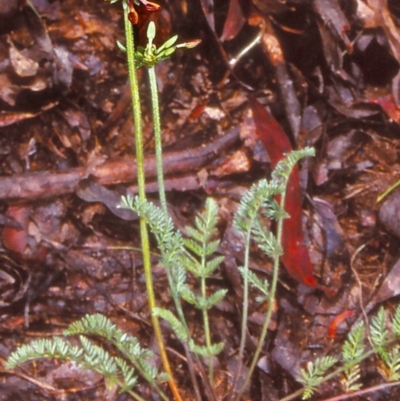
[245, 296]
[163, 202]
[205, 318]
[191, 362]
[388, 191]
[139, 367]
[181, 315]
[137, 397]
[130, 47]
[157, 137]
[137, 115]
[273, 287]
[245, 308]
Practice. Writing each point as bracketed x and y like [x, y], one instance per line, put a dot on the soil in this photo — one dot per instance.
[326, 70]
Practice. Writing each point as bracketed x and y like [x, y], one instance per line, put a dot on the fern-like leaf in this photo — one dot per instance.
[393, 364]
[350, 380]
[178, 328]
[275, 211]
[90, 356]
[312, 376]
[256, 282]
[211, 247]
[353, 347]
[98, 359]
[192, 244]
[128, 374]
[380, 334]
[214, 298]
[266, 240]
[100, 325]
[44, 348]
[352, 350]
[396, 322]
[168, 239]
[205, 223]
[259, 196]
[211, 265]
[205, 351]
[129, 346]
[202, 303]
[283, 168]
[189, 296]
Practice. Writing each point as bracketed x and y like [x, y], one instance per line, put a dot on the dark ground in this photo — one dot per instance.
[329, 73]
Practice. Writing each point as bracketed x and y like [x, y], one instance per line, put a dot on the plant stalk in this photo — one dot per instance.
[163, 203]
[182, 319]
[130, 47]
[205, 319]
[157, 137]
[267, 320]
[137, 397]
[238, 371]
[189, 356]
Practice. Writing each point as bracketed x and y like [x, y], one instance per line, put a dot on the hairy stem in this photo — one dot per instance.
[205, 317]
[245, 296]
[143, 372]
[137, 397]
[163, 203]
[157, 137]
[244, 313]
[181, 315]
[130, 47]
[271, 297]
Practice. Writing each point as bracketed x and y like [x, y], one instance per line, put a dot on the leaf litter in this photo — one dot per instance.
[328, 73]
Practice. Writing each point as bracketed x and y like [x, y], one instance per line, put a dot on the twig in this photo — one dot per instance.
[378, 387]
[45, 184]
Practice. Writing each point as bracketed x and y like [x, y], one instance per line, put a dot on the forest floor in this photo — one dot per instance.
[330, 77]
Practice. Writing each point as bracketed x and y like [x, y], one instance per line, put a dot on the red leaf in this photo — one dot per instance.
[234, 21]
[335, 323]
[389, 106]
[295, 258]
[16, 239]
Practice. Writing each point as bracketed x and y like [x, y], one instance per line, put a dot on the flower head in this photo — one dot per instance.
[133, 4]
[151, 55]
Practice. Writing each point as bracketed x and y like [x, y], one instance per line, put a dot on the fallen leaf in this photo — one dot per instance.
[234, 21]
[295, 255]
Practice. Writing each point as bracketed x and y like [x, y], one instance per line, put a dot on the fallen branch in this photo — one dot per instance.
[46, 184]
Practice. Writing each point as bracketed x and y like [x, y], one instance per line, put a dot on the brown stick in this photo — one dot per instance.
[45, 184]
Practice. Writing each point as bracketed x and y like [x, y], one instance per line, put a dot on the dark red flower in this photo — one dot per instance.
[133, 4]
[150, 6]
